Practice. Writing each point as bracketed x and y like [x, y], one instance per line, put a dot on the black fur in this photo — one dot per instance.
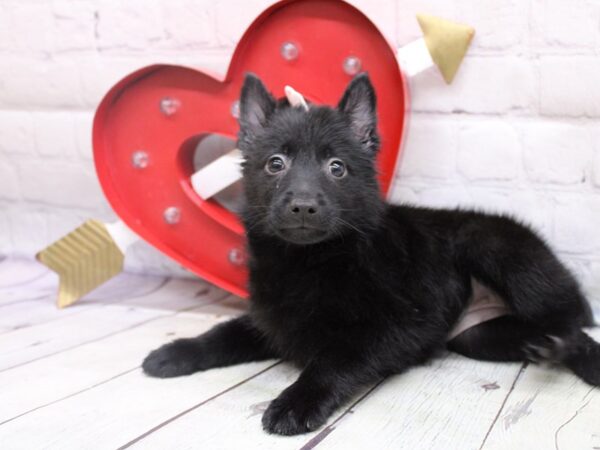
[352, 289]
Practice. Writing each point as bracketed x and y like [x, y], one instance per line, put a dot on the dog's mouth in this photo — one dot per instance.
[303, 234]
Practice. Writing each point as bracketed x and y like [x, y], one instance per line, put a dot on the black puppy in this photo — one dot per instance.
[352, 289]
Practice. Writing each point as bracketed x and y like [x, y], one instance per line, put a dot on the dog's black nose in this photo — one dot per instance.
[304, 207]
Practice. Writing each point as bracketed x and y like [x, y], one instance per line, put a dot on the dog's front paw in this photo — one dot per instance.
[289, 415]
[178, 358]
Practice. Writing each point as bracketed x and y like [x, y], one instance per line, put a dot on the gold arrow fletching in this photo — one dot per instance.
[83, 259]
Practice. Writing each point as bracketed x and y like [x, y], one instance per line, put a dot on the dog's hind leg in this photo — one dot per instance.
[500, 339]
[508, 338]
[539, 290]
[515, 263]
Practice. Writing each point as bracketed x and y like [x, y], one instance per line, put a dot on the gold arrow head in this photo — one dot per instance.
[83, 259]
[447, 43]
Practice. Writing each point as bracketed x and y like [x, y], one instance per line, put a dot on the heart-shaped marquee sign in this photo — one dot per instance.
[148, 126]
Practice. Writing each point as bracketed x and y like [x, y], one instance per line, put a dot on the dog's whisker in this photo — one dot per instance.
[349, 225]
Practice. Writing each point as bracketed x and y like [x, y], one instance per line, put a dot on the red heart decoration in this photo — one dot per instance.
[206, 238]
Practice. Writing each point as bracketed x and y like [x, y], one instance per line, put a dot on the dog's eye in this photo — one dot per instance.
[337, 168]
[275, 164]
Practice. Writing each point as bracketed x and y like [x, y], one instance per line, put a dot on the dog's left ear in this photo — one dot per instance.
[256, 106]
[359, 104]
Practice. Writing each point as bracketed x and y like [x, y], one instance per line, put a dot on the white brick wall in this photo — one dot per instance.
[488, 151]
[569, 86]
[518, 131]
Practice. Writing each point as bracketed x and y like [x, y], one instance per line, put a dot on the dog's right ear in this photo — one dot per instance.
[256, 106]
[358, 104]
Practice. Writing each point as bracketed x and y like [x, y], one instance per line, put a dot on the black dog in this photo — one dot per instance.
[352, 289]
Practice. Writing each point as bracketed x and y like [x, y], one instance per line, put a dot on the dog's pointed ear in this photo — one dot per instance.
[256, 105]
[359, 104]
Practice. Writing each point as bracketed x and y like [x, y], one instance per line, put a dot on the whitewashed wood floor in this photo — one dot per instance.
[71, 379]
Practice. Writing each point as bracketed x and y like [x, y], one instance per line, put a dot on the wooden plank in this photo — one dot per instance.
[45, 286]
[233, 420]
[449, 403]
[123, 287]
[67, 373]
[177, 294]
[27, 344]
[119, 410]
[148, 292]
[23, 314]
[21, 346]
[17, 271]
[230, 306]
[549, 408]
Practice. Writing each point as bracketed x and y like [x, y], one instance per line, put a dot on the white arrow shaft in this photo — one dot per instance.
[414, 57]
[122, 235]
[217, 175]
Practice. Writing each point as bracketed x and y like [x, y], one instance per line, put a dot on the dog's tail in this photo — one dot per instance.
[578, 352]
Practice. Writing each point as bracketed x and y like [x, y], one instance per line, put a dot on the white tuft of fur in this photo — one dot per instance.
[295, 98]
